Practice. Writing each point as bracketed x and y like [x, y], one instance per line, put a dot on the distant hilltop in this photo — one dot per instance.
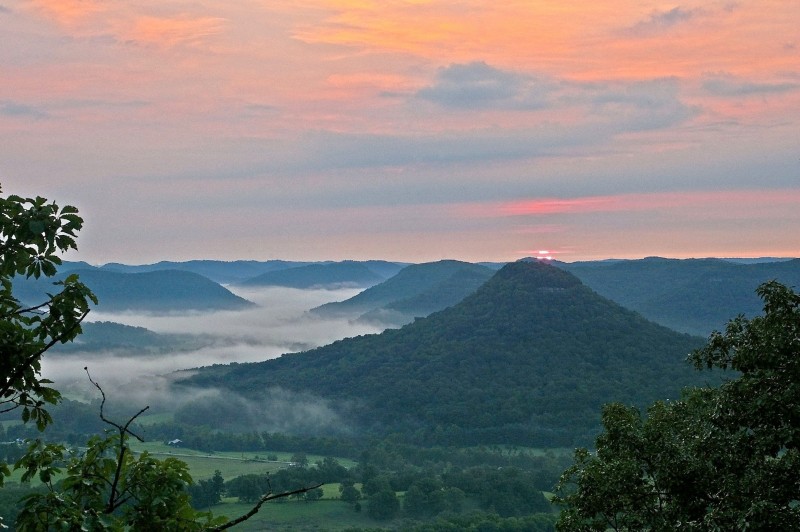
[154, 291]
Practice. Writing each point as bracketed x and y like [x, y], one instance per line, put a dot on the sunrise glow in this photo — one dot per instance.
[410, 130]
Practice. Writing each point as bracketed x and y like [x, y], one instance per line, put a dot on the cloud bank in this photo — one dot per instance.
[279, 325]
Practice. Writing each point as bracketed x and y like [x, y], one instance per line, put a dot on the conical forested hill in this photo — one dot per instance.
[529, 358]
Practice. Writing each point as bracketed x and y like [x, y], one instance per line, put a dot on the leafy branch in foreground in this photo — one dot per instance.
[33, 232]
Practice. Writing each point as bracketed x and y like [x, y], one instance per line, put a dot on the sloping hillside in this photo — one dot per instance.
[529, 358]
[417, 290]
[157, 291]
[692, 295]
[333, 275]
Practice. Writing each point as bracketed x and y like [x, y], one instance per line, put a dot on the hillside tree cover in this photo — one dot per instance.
[721, 458]
[695, 296]
[106, 487]
[527, 359]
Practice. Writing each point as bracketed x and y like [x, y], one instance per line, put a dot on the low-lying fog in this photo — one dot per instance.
[279, 324]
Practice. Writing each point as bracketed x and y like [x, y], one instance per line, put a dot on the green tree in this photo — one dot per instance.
[206, 493]
[299, 459]
[313, 495]
[348, 492]
[33, 232]
[425, 498]
[383, 505]
[248, 488]
[724, 458]
[107, 487]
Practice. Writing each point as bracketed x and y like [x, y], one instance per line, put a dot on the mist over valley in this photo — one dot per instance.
[138, 352]
[475, 380]
[277, 323]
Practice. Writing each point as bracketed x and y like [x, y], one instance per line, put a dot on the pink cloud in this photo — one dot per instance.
[734, 199]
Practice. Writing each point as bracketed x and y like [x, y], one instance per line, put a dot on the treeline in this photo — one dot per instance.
[73, 422]
[391, 479]
[203, 438]
[385, 455]
[397, 481]
[76, 421]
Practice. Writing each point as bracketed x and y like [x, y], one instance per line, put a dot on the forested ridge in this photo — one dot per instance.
[346, 273]
[528, 358]
[156, 291]
[110, 338]
[695, 296]
[416, 290]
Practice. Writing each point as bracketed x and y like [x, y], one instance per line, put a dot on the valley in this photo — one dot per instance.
[501, 368]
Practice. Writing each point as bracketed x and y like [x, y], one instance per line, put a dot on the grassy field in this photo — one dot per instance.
[231, 464]
[202, 464]
[298, 516]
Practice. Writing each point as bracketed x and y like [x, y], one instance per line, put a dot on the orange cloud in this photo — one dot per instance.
[68, 13]
[128, 23]
[450, 31]
[168, 32]
[587, 41]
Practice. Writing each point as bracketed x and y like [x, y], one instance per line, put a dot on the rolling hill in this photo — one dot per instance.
[329, 275]
[156, 291]
[417, 290]
[111, 338]
[694, 296]
[231, 272]
[222, 272]
[529, 358]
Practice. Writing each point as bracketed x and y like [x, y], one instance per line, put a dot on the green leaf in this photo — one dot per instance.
[49, 269]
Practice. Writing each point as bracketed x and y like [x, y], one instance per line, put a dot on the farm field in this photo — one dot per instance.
[231, 464]
[300, 516]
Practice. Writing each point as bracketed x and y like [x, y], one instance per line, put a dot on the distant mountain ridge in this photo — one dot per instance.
[528, 358]
[231, 272]
[332, 275]
[689, 295]
[415, 291]
[223, 272]
[156, 291]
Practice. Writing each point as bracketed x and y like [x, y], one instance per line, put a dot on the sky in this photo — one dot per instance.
[407, 130]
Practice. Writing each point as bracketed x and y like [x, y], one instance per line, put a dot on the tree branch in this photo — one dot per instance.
[21, 311]
[267, 497]
[21, 368]
[113, 502]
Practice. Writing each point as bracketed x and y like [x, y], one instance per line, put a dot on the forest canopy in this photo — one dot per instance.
[720, 458]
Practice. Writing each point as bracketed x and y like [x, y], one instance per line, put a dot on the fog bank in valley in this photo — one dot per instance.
[279, 324]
